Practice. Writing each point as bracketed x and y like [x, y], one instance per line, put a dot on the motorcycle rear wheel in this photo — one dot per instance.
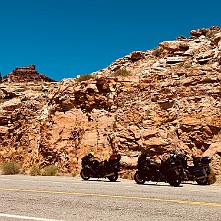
[114, 177]
[138, 179]
[175, 183]
[85, 174]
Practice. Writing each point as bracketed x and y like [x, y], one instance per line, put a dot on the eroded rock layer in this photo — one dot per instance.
[171, 100]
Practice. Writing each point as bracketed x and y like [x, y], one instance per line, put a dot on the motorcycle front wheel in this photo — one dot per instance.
[114, 177]
[85, 174]
[175, 183]
[138, 178]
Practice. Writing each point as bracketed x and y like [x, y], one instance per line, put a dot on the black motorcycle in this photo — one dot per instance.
[169, 170]
[199, 171]
[92, 168]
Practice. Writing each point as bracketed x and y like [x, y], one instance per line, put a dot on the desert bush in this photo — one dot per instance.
[85, 77]
[2, 100]
[125, 176]
[128, 175]
[212, 177]
[49, 170]
[121, 72]
[35, 171]
[10, 167]
[74, 174]
[157, 52]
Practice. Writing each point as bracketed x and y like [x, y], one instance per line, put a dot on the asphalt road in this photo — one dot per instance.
[70, 198]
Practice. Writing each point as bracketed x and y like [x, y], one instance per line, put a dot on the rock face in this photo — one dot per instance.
[171, 100]
[26, 74]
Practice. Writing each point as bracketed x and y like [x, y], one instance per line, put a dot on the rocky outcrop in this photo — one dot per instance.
[171, 100]
[26, 74]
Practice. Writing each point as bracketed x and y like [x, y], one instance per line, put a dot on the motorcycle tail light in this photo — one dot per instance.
[112, 157]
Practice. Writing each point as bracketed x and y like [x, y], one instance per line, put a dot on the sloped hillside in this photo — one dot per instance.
[155, 101]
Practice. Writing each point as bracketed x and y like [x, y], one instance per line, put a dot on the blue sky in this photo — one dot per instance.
[65, 38]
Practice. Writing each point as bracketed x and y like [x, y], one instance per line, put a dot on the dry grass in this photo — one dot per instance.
[121, 72]
[85, 77]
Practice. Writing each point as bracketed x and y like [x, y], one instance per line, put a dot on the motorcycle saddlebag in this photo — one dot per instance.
[172, 173]
[205, 160]
[199, 172]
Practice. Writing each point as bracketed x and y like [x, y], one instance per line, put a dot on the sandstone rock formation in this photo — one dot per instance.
[26, 74]
[170, 100]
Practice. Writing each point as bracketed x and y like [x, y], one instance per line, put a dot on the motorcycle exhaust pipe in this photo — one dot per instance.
[110, 174]
[200, 177]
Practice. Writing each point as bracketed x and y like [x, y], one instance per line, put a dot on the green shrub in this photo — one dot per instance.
[10, 167]
[35, 171]
[85, 77]
[121, 72]
[50, 170]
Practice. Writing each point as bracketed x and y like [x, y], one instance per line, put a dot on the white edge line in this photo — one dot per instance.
[26, 217]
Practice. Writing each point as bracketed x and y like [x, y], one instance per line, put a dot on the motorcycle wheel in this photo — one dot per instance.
[85, 174]
[114, 177]
[203, 181]
[138, 179]
[175, 183]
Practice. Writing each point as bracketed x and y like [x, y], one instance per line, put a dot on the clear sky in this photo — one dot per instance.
[65, 38]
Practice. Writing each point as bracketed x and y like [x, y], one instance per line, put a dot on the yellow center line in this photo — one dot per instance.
[116, 196]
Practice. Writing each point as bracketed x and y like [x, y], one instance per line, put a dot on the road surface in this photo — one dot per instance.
[69, 198]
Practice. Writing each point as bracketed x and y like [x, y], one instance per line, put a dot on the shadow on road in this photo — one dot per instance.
[158, 184]
[101, 180]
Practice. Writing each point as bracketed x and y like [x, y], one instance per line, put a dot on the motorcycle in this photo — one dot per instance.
[200, 170]
[169, 170]
[92, 168]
